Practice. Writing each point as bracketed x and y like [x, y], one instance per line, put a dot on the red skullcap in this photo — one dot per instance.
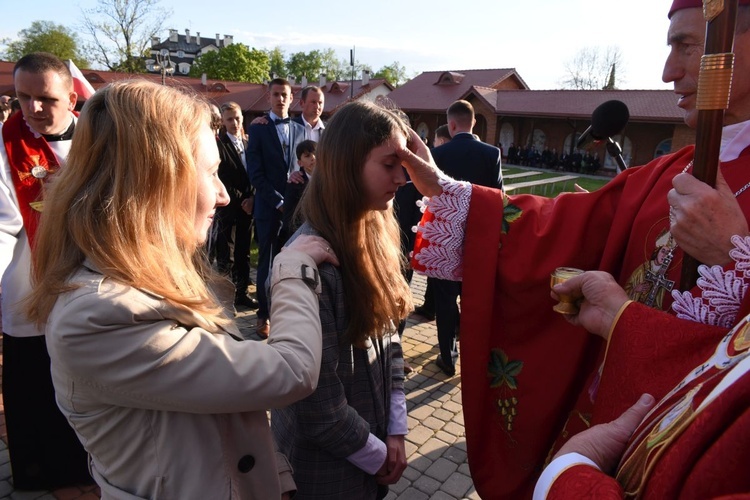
[693, 4]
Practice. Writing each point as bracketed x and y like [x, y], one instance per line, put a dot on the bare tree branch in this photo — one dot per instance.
[591, 68]
[121, 31]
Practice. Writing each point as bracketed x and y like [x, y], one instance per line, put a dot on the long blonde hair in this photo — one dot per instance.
[366, 241]
[126, 200]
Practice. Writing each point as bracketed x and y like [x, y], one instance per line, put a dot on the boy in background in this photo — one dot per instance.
[295, 187]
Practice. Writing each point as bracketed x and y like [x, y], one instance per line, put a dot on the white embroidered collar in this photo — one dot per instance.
[734, 139]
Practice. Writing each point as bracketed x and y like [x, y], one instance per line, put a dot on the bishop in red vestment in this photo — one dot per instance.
[695, 443]
[528, 376]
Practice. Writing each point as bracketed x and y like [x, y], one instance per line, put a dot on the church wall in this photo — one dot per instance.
[508, 84]
[644, 137]
[683, 136]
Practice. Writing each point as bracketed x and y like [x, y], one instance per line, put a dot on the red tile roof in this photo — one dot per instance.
[644, 105]
[425, 93]
[255, 100]
[494, 87]
[251, 97]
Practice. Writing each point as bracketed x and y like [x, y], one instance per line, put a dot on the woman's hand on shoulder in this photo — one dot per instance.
[314, 246]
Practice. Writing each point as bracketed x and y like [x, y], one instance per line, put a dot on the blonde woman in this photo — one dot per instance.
[147, 368]
[346, 440]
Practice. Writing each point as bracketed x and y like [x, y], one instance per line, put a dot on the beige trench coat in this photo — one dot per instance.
[166, 408]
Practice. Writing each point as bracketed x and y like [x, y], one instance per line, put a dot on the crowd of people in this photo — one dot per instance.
[122, 363]
[8, 106]
[579, 161]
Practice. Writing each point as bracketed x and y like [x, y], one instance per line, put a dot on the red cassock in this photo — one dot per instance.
[525, 371]
[696, 442]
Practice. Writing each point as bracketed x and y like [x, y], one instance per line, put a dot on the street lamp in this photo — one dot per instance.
[163, 64]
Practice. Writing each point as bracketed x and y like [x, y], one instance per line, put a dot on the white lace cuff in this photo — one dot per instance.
[721, 292]
[441, 254]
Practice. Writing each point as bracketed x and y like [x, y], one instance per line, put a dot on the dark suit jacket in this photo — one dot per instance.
[466, 158]
[407, 213]
[231, 170]
[266, 166]
[291, 199]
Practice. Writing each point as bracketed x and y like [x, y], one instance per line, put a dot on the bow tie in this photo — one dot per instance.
[279, 121]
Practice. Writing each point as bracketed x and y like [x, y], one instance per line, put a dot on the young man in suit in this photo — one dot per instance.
[232, 254]
[312, 101]
[464, 158]
[270, 160]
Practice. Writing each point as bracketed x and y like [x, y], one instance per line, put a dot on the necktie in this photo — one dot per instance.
[240, 151]
[284, 136]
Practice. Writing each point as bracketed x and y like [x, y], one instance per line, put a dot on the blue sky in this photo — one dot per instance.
[536, 37]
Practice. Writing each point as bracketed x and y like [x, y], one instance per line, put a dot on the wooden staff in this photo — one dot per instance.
[714, 85]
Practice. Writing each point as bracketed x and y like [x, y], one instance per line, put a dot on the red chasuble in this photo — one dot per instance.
[523, 367]
[26, 153]
[695, 443]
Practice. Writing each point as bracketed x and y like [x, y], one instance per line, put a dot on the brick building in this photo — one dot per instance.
[509, 113]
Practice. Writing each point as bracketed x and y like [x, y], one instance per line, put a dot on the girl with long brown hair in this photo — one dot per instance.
[346, 440]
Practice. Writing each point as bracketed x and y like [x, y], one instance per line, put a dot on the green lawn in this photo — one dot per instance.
[588, 183]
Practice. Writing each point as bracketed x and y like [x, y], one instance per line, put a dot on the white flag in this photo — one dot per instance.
[81, 86]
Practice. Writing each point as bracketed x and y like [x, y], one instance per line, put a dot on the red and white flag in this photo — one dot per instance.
[81, 86]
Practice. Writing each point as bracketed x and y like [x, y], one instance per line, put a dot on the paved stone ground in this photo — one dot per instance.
[435, 447]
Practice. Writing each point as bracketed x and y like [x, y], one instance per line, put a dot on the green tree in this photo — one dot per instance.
[308, 64]
[395, 73]
[277, 62]
[332, 66]
[121, 31]
[235, 63]
[46, 36]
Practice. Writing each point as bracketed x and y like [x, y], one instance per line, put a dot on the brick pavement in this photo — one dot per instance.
[435, 447]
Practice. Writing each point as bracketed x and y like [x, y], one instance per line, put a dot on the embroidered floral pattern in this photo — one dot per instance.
[721, 291]
[503, 372]
[511, 213]
[443, 258]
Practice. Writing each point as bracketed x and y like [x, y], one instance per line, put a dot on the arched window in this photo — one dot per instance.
[627, 153]
[663, 148]
[423, 130]
[507, 137]
[570, 141]
[537, 141]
